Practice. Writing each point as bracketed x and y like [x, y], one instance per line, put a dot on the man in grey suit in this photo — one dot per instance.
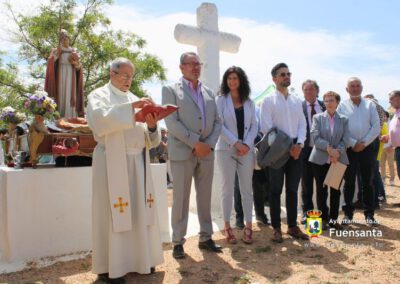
[193, 132]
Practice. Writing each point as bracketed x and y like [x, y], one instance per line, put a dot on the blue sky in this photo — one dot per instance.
[328, 41]
[381, 18]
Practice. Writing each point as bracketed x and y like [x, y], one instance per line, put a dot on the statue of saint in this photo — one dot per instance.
[64, 78]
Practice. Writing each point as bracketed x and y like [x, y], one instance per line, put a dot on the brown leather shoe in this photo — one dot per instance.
[295, 232]
[277, 236]
[210, 245]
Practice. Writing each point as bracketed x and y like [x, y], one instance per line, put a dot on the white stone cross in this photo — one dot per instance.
[209, 42]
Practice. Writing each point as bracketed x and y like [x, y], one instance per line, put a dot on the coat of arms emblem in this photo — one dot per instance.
[314, 223]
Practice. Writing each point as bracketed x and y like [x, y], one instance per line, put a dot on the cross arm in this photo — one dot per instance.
[197, 36]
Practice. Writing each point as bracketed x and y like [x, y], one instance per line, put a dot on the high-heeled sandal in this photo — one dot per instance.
[247, 236]
[230, 237]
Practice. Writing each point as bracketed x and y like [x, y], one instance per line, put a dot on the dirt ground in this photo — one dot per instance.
[326, 259]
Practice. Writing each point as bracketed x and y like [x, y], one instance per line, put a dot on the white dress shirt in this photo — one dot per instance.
[363, 121]
[284, 113]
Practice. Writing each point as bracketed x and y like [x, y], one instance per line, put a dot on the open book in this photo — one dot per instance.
[161, 111]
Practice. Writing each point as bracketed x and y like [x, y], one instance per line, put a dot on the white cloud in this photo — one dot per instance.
[7, 24]
[316, 54]
[313, 54]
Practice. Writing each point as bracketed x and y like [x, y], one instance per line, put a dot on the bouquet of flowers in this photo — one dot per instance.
[40, 104]
[10, 115]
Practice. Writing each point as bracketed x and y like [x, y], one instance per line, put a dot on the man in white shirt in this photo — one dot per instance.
[364, 128]
[284, 111]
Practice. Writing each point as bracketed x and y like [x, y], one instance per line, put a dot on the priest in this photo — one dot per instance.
[126, 235]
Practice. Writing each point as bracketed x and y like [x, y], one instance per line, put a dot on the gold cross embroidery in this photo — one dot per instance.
[121, 205]
[150, 200]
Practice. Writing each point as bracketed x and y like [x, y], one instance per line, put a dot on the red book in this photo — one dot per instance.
[161, 111]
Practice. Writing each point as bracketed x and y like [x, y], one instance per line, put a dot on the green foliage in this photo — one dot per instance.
[11, 88]
[91, 34]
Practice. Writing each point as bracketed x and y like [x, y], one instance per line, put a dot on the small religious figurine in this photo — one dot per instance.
[37, 130]
[41, 106]
[64, 78]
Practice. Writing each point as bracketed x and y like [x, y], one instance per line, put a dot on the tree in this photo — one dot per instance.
[12, 90]
[90, 32]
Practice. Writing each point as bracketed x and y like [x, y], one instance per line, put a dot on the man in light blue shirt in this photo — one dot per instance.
[364, 128]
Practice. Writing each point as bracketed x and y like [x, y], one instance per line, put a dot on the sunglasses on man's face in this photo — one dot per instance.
[288, 74]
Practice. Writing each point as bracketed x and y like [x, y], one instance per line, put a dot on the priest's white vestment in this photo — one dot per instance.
[136, 246]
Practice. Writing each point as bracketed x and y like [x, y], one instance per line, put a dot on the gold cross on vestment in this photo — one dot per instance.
[150, 200]
[121, 205]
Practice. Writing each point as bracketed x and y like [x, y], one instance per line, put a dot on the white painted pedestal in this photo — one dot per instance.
[48, 211]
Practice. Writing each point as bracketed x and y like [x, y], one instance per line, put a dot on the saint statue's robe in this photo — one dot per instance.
[64, 83]
[126, 234]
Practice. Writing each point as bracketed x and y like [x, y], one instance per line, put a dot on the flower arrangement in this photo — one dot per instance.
[40, 104]
[10, 115]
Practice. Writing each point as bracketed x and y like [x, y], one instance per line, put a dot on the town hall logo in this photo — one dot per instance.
[314, 223]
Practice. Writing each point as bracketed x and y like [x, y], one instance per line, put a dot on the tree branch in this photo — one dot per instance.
[87, 8]
[24, 36]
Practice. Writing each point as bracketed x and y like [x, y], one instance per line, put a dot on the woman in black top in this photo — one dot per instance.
[234, 149]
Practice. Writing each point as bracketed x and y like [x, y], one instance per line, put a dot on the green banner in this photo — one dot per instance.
[268, 91]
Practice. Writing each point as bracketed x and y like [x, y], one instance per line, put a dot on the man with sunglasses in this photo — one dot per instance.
[284, 111]
[193, 132]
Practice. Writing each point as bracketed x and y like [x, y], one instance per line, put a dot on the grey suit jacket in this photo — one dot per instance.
[321, 134]
[185, 125]
[229, 134]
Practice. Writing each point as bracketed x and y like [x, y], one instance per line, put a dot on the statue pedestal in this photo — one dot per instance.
[48, 211]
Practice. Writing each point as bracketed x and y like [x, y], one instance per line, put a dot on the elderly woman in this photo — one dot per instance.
[330, 134]
[234, 149]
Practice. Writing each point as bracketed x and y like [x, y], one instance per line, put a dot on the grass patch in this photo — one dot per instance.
[182, 271]
[352, 261]
[312, 276]
[243, 279]
[262, 249]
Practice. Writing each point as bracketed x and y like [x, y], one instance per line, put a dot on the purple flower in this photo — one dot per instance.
[39, 103]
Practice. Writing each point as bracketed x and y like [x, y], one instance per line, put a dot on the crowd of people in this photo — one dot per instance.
[259, 151]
